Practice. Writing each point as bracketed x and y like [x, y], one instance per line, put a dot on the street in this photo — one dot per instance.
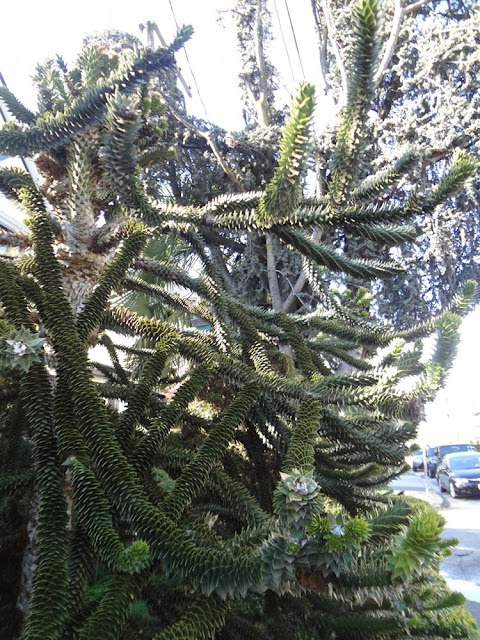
[462, 569]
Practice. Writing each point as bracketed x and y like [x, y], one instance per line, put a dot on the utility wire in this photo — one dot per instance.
[284, 43]
[295, 38]
[190, 66]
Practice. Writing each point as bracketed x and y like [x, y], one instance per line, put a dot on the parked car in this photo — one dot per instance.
[459, 473]
[441, 450]
[417, 460]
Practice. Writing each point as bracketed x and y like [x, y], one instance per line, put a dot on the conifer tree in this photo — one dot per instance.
[245, 497]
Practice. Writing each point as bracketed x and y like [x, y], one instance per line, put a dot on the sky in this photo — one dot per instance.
[37, 30]
[33, 31]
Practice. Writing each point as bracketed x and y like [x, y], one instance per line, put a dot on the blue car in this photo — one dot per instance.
[459, 473]
[441, 450]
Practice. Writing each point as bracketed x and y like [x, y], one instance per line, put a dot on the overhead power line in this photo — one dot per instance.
[284, 42]
[189, 65]
[295, 38]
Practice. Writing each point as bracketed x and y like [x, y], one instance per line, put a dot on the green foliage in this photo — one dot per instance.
[183, 36]
[283, 194]
[20, 349]
[417, 544]
[265, 513]
[351, 135]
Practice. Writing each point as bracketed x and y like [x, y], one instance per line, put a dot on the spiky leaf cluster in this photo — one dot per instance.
[213, 475]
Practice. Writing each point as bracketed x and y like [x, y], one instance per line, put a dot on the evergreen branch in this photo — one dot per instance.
[92, 512]
[382, 440]
[284, 190]
[172, 300]
[330, 347]
[182, 36]
[388, 235]
[85, 112]
[120, 159]
[16, 108]
[231, 203]
[334, 260]
[301, 451]
[12, 180]
[112, 612]
[381, 181]
[90, 317]
[293, 337]
[139, 397]
[13, 299]
[351, 133]
[170, 545]
[147, 449]
[416, 545]
[200, 621]
[244, 507]
[82, 563]
[252, 342]
[122, 375]
[70, 442]
[462, 168]
[172, 274]
[47, 607]
[196, 473]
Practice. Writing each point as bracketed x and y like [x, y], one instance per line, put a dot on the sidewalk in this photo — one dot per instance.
[415, 485]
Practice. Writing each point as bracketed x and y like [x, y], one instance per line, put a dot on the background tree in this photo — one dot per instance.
[426, 93]
[263, 515]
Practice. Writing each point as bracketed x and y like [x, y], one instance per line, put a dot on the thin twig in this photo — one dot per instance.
[213, 145]
[414, 6]
[335, 49]
[322, 34]
[296, 290]
[391, 43]
[272, 275]
[262, 102]
[399, 14]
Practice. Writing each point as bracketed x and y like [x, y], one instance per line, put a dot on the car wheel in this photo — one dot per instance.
[453, 490]
[440, 485]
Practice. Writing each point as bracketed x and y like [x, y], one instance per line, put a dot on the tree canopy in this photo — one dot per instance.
[229, 482]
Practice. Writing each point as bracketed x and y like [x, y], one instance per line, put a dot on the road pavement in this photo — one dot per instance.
[462, 569]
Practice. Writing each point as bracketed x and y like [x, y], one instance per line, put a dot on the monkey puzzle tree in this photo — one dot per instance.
[426, 92]
[265, 516]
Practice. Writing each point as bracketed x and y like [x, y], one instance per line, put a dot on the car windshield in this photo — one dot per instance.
[453, 448]
[468, 462]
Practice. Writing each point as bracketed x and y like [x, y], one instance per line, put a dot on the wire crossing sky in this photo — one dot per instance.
[50, 27]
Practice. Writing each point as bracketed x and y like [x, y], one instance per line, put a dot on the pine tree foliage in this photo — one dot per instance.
[245, 494]
[426, 94]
